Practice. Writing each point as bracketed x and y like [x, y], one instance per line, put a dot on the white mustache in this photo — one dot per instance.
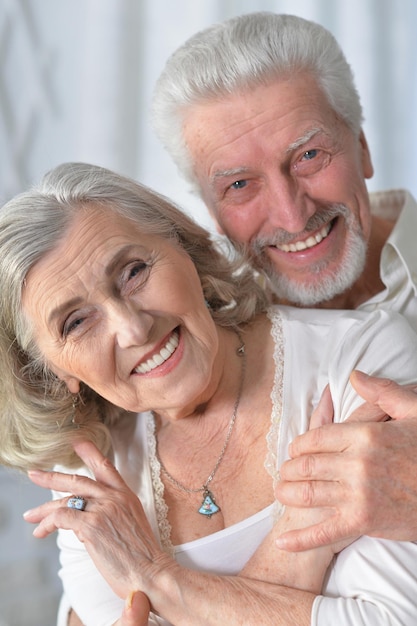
[316, 221]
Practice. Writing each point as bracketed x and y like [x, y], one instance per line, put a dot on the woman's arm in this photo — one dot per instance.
[119, 540]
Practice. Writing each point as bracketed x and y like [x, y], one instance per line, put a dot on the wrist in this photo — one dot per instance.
[163, 588]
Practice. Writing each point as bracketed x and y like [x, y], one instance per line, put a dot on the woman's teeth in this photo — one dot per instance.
[310, 242]
[160, 357]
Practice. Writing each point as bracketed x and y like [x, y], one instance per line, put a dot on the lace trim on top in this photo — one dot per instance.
[272, 438]
[161, 507]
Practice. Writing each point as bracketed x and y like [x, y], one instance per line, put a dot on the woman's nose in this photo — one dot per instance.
[131, 326]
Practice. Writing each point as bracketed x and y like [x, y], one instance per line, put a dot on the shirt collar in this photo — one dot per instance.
[399, 206]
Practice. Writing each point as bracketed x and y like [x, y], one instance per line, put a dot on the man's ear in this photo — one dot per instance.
[368, 168]
[218, 227]
[207, 201]
[212, 214]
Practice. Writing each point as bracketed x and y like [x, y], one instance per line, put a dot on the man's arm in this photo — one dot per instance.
[366, 472]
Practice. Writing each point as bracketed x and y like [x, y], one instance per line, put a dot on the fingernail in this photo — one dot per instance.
[35, 473]
[129, 600]
[361, 374]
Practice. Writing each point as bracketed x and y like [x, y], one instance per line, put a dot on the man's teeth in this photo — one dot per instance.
[160, 357]
[310, 242]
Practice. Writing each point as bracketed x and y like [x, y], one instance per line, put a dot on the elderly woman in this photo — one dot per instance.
[125, 332]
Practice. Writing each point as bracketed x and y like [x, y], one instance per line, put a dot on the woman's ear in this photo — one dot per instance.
[72, 383]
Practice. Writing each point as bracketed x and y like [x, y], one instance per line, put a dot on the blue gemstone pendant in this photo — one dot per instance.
[208, 506]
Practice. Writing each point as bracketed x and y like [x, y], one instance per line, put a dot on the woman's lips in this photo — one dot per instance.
[160, 357]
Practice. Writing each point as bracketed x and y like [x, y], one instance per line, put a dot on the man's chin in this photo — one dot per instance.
[308, 294]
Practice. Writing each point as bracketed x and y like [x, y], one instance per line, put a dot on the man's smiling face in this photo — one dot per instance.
[281, 173]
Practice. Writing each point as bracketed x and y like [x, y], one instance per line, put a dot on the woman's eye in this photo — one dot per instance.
[71, 324]
[134, 276]
[136, 269]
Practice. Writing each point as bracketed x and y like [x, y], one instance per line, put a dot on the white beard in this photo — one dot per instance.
[321, 284]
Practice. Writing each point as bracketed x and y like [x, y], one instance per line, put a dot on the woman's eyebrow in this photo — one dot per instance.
[58, 311]
[120, 254]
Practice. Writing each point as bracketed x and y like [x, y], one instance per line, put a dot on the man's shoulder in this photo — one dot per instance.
[389, 204]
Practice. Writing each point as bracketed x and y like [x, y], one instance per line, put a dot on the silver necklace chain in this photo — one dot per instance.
[204, 488]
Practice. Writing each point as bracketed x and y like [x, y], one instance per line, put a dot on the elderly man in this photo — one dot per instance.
[261, 115]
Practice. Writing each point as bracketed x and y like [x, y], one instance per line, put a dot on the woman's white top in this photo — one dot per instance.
[372, 582]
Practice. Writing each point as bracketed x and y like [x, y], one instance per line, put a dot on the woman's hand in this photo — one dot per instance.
[364, 472]
[135, 612]
[113, 526]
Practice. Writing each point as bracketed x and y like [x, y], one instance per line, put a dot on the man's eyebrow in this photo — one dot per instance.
[241, 171]
[301, 141]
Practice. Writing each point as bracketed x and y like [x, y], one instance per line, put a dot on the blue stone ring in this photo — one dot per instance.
[75, 502]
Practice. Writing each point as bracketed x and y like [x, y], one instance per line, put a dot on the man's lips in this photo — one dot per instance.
[308, 242]
[159, 357]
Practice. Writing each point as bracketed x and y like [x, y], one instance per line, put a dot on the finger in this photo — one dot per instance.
[102, 468]
[397, 401]
[321, 466]
[327, 532]
[36, 514]
[67, 483]
[368, 412]
[328, 438]
[64, 519]
[323, 413]
[136, 610]
[310, 493]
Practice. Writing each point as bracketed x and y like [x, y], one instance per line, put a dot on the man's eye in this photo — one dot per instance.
[239, 184]
[310, 154]
[311, 162]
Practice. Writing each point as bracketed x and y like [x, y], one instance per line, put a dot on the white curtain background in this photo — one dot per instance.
[76, 78]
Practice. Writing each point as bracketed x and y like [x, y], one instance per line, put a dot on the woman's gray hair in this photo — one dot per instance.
[37, 428]
[243, 52]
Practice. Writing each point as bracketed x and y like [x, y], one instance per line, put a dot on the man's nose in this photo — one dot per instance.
[287, 206]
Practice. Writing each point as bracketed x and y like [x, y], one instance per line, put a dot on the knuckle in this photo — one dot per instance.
[317, 437]
[308, 494]
[307, 466]
[106, 464]
[322, 535]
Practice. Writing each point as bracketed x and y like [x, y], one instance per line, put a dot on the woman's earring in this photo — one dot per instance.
[74, 411]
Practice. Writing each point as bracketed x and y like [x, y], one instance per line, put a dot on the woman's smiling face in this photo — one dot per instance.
[123, 312]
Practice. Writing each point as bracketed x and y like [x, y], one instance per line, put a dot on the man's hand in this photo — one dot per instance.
[365, 473]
